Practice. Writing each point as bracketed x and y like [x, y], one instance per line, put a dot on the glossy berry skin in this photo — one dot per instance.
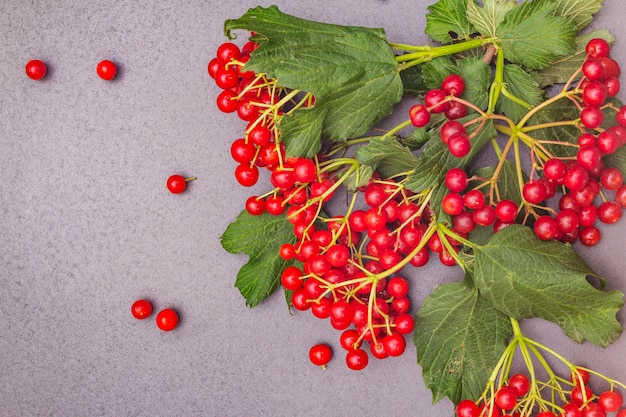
[320, 354]
[611, 401]
[107, 70]
[177, 183]
[36, 69]
[467, 408]
[167, 320]
[357, 359]
[141, 309]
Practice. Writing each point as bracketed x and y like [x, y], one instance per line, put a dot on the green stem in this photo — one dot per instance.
[428, 53]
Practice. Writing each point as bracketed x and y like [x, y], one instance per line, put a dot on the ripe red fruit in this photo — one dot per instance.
[546, 228]
[177, 183]
[506, 398]
[36, 69]
[320, 354]
[167, 319]
[597, 48]
[456, 180]
[459, 145]
[506, 210]
[520, 384]
[467, 408]
[453, 85]
[141, 309]
[246, 175]
[357, 359]
[107, 70]
[394, 344]
[450, 128]
[435, 101]
[611, 401]
[419, 115]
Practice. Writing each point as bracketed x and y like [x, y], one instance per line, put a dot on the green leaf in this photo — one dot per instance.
[532, 36]
[561, 110]
[301, 131]
[259, 237]
[617, 159]
[448, 17]
[433, 72]
[486, 19]
[459, 337]
[351, 70]
[476, 91]
[524, 277]
[563, 68]
[412, 81]
[523, 86]
[358, 178]
[387, 156]
[580, 11]
[418, 138]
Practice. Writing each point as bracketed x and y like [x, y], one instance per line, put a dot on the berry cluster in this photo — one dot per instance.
[518, 397]
[560, 199]
[346, 268]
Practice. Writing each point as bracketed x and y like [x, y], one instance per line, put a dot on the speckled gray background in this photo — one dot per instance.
[87, 227]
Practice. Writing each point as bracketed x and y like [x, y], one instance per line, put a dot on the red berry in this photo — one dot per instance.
[141, 309]
[107, 70]
[419, 115]
[459, 145]
[320, 354]
[611, 401]
[453, 85]
[36, 69]
[357, 359]
[177, 183]
[435, 100]
[597, 48]
[167, 319]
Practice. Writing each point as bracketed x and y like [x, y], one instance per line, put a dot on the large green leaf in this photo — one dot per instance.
[351, 70]
[447, 21]
[387, 156]
[459, 337]
[259, 237]
[524, 277]
[532, 36]
[486, 19]
[580, 11]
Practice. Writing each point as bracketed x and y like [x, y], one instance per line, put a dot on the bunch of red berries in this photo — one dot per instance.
[519, 397]
[565, 196]
[445, 100]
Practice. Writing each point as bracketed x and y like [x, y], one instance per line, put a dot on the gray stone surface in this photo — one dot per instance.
[87, 227]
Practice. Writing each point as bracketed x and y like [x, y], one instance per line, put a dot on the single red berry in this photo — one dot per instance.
[520, 384]
[611, 401]
[435, 100]
[36, 69]
[467, 408]
[597, 48]
[141, 309]
[167, 319]
[453, 85]
[177, 183]
[357, 359]
[419, 115]
[506, 398]
[107, 70]
[320, 354]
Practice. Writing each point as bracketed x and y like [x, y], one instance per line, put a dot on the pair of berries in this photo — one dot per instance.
[166, 319]
[37, 69]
